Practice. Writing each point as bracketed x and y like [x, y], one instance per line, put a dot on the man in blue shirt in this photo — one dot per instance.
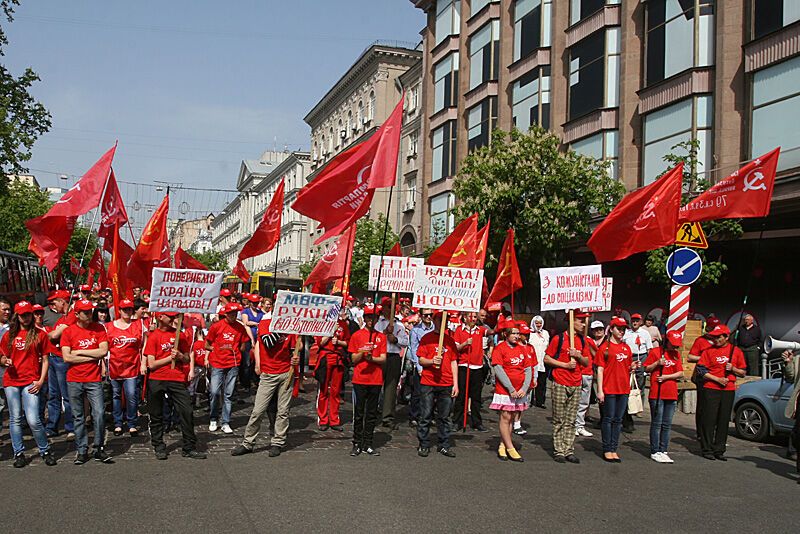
[413, 367]
[250, 316]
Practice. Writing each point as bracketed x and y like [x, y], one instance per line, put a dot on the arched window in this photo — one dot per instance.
[372, 105]
[330, 140]
[341, 134]
[349, 122]
[360, 116]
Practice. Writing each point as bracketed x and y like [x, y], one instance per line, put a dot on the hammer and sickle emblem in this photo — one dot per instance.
[648, 213]
[756, 183]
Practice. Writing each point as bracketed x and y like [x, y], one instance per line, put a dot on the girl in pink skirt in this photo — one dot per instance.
[513, 369]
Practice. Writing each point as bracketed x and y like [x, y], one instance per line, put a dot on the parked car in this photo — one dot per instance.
[758, 409]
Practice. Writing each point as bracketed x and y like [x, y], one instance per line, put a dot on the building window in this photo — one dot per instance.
[371, 105]
[444, 151]
[477, 5]
[771, 15]
[594, 73]
[531, 26]
[360, 115]
[665, 128]
[448, 19]
[530, 100]
[413, 140]
[678, 39]
[341, 134]
[330, 140]
[481, 120]
[412, 99]
[602, 146]
[581, 9]
[776, 112]
[350, 125]
[484, 54]
[442, 219]
[445, 83]
[411, 195]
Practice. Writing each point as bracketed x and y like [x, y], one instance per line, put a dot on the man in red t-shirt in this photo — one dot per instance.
[437, 386]
[225, 339]
[567, 362]
[468, 338]
[274, 358]
[700, 344]
[164, 379]
[665, 368]
[83, 346]
[367, 349]
[330, 371]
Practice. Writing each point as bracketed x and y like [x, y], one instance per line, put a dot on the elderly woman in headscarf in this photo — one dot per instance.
[539, 339]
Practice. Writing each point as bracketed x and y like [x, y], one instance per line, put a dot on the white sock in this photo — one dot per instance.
[517, 424]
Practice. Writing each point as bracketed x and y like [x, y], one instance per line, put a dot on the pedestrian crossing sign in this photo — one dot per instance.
[690, 234]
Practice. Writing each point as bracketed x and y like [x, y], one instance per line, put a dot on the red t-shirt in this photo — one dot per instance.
[159, 345]
[700, 344]
[365, 372]
[667, 390]
[567, 377]
[471, 354]
[69, 320]
[588, 370]
[514, 361]
[26, 363]
[226, 340]
[715, 358]
[277, 359]
[431, 376]
[616, 366]
[200, 353]
[125, 348]
[330, 352]
[77, 338]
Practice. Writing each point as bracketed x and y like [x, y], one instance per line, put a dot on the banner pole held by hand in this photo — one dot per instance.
[442, 329]
[177, 337]
[571, 329]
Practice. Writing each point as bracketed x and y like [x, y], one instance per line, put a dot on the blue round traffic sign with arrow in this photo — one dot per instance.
[684, 266]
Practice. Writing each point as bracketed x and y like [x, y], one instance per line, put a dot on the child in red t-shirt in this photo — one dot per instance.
[665, 368]
[330, 370]
[200, 354]
[368, 352]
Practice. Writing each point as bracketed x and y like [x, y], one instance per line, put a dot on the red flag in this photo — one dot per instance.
[458, 250]
[112, 211]
[121, 254]
[508, 278]
[396, 250]
[266, 235]
[75, 267]
[644, 220]
[343, 191]
[333, 263]
[744, 194]
[481, 243]
[153, 248]
[49, 238]
[184, 260]
[96, 265]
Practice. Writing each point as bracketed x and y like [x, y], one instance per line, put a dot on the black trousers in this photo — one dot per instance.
[391, 377]
[540, 393]
[698, 409]
[365, 414]
[476, 378]
[183, 406]
[717, 407]
[796, 432]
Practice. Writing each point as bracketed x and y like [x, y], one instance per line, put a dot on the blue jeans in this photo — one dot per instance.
[58, 392]
[440, 396]
[222, 378]
[18, 399]
[131, 402]
[94, 394]
[661, 412]
[614, 409]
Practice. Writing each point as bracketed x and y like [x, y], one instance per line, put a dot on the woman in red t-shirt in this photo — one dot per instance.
[665, 368]
[126, 362]
[524, 335]
[614, 367]
[22, 354]
[513, 368]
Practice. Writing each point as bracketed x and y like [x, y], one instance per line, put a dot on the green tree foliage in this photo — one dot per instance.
[22, 118]
[213, 259]
[369, 237]
[524, 180]
[721, 229]
[22, 202]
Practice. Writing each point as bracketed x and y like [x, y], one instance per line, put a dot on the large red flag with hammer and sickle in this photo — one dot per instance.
[153, 248]
[266, 235]
[508, 278]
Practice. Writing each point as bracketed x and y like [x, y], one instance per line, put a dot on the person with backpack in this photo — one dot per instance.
[665, 368]
[566, 354]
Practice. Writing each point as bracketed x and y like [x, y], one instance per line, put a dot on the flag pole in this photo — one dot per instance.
[349, 263]
[383, 246]
[275, 270]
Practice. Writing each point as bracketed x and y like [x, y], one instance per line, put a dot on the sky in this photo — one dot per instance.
[189, 88]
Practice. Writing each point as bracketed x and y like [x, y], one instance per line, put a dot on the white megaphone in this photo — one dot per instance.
[776, 344]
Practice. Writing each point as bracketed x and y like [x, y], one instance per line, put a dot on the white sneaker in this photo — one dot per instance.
[583, 432]
[212, 426]
[656, 457]
[227, 429]
[666, 459]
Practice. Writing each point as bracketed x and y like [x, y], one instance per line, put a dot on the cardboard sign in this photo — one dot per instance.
[448, 288]
[571, 288]
[305, 314]
[397, 274]
[185, 290]
[607, 292]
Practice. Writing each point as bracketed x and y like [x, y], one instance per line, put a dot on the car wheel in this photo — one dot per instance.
[752, 422]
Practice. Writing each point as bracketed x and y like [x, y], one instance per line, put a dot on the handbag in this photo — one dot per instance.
[635, 404]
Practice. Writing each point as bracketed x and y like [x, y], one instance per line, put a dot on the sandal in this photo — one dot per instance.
[133, 432]
[118, 431]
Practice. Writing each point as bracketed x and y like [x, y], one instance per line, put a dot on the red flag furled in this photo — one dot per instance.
[96, 266]
[153, 248]
[343, 191]
[184, 260]
[458, 250]
[333, 263]
[75, 267]
[112, 212]
[744, 194]
[266, 235]
[508, 278]
[643, 220]
[121, 253]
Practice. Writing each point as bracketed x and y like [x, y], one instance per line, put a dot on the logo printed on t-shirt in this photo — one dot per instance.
[621, 356]
[516, 360]
[122, 341]
[722, 359]
[86, 343]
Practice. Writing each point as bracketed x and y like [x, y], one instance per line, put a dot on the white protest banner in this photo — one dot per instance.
[305, 314]
[448, 288]
[185, 290]
[397, 274]
[571, 287]
[607, 292]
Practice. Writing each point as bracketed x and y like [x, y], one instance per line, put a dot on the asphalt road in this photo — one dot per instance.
[315, 486]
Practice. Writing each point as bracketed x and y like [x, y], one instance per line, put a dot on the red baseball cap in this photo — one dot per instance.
[86, 287]
[84, 305]
[230, 308]
[386, 302]
[254, 298]
[619, 321]
[636, 316]
[369, 309]
[580, 315]
[23, 306]
[720, 330]
[524, 328]
[37, 307]
[169, 313]
[675, 338]
[712, 322]
[225, 293]
[58, 294]
[125, 303]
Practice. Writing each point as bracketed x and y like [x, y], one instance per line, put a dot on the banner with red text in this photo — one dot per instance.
[305, 314]
[185, 290]
[397, 274]
[570, 288]
[448, 288]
